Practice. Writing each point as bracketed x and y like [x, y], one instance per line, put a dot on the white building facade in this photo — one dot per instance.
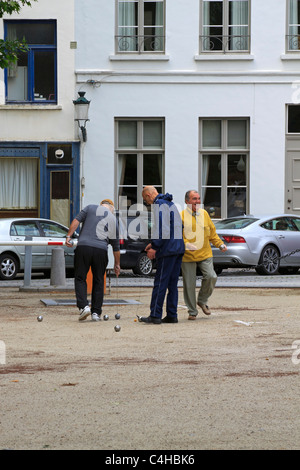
[185, 94]
[199, 94]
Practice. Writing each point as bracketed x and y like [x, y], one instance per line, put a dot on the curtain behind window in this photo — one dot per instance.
[294, 21]
[128, 26]
[18, 183]
[238, 25]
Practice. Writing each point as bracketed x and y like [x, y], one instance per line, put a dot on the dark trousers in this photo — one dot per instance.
[87, 257]
[166, 278]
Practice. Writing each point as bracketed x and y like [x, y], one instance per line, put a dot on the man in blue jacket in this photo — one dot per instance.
[167, 247]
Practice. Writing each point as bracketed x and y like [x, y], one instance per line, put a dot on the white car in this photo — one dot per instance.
[270, 244]
[12, 258]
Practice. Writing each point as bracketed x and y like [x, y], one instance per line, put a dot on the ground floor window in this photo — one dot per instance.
[223, 164]
[19, 185]
[139, 157]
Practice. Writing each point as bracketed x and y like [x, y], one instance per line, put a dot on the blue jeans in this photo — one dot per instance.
[166, 278]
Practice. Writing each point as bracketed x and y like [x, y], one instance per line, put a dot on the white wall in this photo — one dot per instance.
[183, 87]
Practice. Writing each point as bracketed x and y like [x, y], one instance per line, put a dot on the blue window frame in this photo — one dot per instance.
[33, 79]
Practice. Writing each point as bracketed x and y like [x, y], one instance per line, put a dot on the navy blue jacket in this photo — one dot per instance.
[166, 237]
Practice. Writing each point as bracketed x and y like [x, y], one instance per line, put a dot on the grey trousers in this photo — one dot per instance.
[208, 283]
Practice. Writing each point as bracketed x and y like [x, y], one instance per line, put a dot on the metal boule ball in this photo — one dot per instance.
[117, 316]
[105, 317]
[117, 328]
[40, 318]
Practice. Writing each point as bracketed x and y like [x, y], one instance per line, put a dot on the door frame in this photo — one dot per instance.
[291, 184]
[74, 169]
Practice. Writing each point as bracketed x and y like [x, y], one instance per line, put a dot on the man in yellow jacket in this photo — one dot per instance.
[198, 233]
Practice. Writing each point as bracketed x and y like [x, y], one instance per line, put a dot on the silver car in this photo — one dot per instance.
[12, 257]
[270, 244]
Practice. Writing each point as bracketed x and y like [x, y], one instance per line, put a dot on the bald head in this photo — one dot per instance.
[149, 193]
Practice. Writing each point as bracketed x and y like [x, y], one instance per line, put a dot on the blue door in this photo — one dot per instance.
[63, 188]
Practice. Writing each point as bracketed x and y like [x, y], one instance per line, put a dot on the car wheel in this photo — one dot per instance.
[268, 261]
[9, 267]
[218, 270]
[144, 265]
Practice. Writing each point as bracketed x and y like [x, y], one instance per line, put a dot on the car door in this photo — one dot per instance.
[288, 237]
[54, 232]
[22, 229]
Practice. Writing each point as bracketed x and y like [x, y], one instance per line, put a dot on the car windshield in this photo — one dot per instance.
[235, 223]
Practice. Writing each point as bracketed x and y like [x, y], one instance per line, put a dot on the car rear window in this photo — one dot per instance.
[235, 223]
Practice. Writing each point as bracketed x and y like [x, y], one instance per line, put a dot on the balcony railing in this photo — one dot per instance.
[232, 43]
[140, 44]
[293, 42]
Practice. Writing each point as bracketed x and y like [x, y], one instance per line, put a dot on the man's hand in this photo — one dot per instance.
[69, 242]
[150, 251]
[117, 269]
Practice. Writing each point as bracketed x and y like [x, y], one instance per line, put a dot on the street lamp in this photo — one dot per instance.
[82, 113]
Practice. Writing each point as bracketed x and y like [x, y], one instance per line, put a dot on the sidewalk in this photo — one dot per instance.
[226, 279]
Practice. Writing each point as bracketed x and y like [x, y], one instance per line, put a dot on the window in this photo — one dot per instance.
[225, 26]
[294, 119]
[33, 78]
[224, 156]
[293, 35]
[139, 157]
[24, 229]
[140, 26]
[281, 223]
[18, 184]
[53, 230]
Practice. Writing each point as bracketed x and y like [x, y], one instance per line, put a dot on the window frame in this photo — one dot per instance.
[225, 32]
[140, 151]
[224, 151]
[33, 49]
[290, 50]
[140, 27]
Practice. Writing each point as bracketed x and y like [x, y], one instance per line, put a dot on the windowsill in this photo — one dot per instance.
[223, 57]
[30, 107]
[139, 57]
[291, 56]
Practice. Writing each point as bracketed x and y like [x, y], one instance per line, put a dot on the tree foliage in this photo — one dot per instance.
[9, 49]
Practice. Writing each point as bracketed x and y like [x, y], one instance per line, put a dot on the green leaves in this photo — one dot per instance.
[10, 6]
[9, 50]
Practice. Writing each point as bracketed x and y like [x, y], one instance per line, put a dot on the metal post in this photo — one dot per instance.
[58, 267]
[28, 263]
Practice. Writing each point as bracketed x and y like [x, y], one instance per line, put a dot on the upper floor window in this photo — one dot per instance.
[293, 36]
[33, 77]
[225, 26]
[140, 26]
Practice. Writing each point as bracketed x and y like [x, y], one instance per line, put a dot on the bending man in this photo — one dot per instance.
[99, 229]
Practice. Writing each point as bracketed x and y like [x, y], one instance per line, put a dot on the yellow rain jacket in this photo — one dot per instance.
[199, 232]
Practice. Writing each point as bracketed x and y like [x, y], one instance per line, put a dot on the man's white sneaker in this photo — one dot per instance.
[95, 317]
[84, 313]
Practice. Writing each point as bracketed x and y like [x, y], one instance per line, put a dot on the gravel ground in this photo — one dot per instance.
[227, 381]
